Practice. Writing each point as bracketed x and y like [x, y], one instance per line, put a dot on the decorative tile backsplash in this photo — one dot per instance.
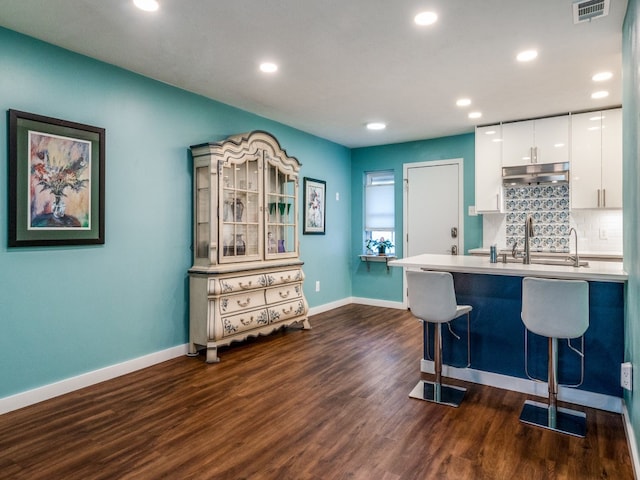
[549, 207]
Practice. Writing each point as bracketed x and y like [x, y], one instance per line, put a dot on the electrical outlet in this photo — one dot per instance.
[626, 373]
[317, 285]
[603, 234]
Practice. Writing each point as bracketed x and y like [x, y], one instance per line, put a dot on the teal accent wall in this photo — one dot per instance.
[65, 311]
[377, 282]
[631, 200]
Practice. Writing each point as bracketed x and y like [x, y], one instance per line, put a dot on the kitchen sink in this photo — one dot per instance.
[563, 261]
[559, 261]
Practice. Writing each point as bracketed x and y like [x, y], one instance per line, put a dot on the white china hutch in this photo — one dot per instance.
[247, 277]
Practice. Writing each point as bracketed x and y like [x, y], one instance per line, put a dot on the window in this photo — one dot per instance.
[379, 207]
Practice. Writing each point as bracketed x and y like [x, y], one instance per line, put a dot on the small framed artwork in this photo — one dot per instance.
[56, 181]
[314, 206]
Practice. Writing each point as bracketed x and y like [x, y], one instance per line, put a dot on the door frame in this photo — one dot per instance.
[405, 181]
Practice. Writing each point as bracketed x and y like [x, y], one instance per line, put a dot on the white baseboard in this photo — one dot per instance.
[24, 399]
[378, 303]
[631, 440]
[522, 385]
[329, 306]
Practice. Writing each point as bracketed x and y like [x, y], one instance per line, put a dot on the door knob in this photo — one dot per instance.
[454, 250]
[454, 232]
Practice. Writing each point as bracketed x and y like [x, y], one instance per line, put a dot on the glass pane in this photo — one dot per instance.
[202, 241]
[251, 240]
[252, 208]
[202, 212]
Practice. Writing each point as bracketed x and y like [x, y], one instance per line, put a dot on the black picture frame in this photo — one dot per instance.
[56, 181]
[314, 206]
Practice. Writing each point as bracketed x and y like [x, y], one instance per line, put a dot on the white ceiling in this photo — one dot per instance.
[344, 63]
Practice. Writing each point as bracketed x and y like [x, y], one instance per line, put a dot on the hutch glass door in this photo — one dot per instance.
[240, 200]
[281, 233]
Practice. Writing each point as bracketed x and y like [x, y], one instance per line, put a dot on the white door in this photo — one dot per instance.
[433, 208]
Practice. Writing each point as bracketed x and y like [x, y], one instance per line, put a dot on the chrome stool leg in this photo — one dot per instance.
[549, 415]
[436, 391]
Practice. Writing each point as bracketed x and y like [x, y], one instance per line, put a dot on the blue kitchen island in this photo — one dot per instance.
[494, 290]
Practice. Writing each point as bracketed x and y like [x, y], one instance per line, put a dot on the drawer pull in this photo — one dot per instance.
[287, 312]
[288, 279]
[284, 294]
[247, 286]
[244, 304]
[248, 322]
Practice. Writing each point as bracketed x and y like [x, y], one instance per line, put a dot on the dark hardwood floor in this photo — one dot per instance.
[328, 403]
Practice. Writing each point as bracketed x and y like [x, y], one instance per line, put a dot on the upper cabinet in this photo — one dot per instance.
[544, 140]
[488, 164]
[246, 192]
[596, 159]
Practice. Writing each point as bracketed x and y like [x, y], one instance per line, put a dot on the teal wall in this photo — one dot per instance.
[631, 202]
[65, 311]
[377, 282]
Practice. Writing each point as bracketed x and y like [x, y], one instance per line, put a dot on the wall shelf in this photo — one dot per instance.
[377, 258]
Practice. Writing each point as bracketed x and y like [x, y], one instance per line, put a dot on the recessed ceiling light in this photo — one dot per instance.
[600, 94]
[527, 55]
[475, 115]
[463, 102]
[376, 126]
[147, 5]
[426, 18]
[268, 67]
[602, 76]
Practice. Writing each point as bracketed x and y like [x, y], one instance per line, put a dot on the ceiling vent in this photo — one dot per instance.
[586, 10]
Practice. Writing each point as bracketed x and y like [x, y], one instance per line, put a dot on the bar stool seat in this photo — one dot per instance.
[556, 309]
[432, 299]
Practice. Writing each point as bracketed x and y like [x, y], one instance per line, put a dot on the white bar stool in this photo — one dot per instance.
[555, 309]
[432, 299]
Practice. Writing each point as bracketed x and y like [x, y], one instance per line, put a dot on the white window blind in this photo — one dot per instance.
[379, 201]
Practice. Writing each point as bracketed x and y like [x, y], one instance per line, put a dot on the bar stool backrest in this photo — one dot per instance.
[555, 308]
[432, 296]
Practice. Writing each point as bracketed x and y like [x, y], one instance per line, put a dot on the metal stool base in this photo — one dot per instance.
[571, 422]
[438, 393]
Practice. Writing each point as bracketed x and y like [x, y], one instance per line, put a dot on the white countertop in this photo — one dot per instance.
[596, 271]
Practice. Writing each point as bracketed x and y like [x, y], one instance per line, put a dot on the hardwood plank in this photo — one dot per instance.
[326, 403]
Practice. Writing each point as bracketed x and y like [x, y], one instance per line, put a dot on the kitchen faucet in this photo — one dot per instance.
[528, 233]
[576, 259]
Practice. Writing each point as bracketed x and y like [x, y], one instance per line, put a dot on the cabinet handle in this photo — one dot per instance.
[534, 154]
[247, 322]
[288, 279]
[244, 304]
[247, 286]
[604, 197]
[286, 312]
[497, 201]
[598, 197]
[284, 295]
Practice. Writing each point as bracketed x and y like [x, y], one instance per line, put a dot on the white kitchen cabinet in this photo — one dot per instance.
[543, 140]
[246, 279]
[488, 176]
[596, 159]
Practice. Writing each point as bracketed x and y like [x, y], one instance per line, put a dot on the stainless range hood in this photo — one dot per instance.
[536, 173]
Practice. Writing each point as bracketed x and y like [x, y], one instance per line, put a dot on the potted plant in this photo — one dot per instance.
[380, 245]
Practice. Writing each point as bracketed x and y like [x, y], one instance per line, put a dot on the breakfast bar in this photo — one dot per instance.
[497, 332]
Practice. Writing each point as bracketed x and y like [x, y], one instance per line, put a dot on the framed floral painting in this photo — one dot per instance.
[56, 181]
[314, 206]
